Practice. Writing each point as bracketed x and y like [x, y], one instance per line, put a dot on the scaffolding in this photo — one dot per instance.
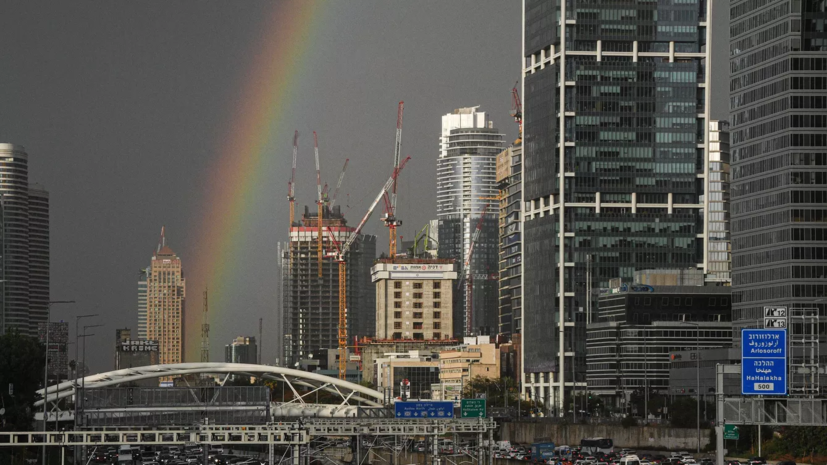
[803, 346]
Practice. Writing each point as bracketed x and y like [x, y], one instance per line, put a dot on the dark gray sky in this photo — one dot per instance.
[124, 106]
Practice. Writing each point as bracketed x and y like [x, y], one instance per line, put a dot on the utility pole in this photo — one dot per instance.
[260, 341]
[205, 331]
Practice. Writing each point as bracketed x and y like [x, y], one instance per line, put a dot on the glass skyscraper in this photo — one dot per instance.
[615, 164]
[778, 97]
[466, 191]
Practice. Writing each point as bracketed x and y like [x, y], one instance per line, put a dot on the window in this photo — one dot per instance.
[418, 336]
[437, 305]
[417, 295]
[397, 325]
[417, 286]
[397, 285]
[437, 335]
[437, 315]
[397, 315]
[397, 336]
[437, 295]
[397, 304]
[417, 305]
[417, 315]
[437, 285]
[437, 325]
[417, 325]
[397, 295]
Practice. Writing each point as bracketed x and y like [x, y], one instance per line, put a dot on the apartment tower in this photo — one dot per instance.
[25, 238]
[467, 195]
[778, 138]
[166, 296]
[614, 164]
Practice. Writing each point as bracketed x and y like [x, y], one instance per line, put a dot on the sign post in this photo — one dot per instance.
[472, 408]
[764, 362]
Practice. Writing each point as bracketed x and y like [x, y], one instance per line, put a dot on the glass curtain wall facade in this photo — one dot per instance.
[778, 97]
[719, 251]
[614, 164]
[467, 189]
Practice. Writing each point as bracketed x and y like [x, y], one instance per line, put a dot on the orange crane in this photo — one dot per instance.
[339, 184]
[341, 253]
[320, 201]
[291, 186]
[390, 219]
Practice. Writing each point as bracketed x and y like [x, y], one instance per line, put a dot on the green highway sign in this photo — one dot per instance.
[472, 408]
[731, 432]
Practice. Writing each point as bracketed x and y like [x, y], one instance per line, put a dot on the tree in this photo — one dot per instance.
[19, 355]
[497, 391]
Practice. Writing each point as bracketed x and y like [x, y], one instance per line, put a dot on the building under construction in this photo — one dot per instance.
[311, 303]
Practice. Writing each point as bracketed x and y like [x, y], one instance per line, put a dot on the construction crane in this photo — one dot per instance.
[341, 253]
[339, 184]
[320, 201]
[390, 219]
[291, 186]
[423, 234]
[469, 279]
[517, 110]
[205, 331]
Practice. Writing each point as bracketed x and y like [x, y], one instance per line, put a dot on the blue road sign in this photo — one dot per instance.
[421, 410]
[764, 362]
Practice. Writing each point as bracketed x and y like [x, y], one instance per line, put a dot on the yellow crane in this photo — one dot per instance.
[341, 253]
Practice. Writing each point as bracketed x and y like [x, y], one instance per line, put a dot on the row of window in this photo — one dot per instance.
[418, 315]
[759, 56]
[766, 35]
[437, 304]
[746, 7]
[418, 325]
[758, 75]
[418, 285]
[778, 143]
[759, 20]
[780, 254]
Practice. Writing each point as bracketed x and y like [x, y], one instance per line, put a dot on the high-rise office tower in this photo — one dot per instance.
[466, 191]
[778, 138]
[166, 296]
[25, 262]
[310, 318]
[719, 251]
[142, 299]
[241, 350]
[614, 164]
[38, 253]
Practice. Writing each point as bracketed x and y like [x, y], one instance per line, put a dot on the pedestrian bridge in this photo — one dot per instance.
[349, 396]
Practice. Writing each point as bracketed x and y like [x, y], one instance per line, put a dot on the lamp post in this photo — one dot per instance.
[77, 367]
[46, 367]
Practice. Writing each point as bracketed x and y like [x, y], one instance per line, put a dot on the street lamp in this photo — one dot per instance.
[46, 366]
[77, 346]
[697, 377]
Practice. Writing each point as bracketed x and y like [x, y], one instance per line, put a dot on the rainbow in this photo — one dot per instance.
[268, 94]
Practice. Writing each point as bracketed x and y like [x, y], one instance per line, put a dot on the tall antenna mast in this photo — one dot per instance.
[260, 321]
[205, 332]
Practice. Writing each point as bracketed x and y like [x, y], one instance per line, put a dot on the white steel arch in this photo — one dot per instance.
[347, 390]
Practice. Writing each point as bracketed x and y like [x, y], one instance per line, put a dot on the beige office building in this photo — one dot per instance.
[166, 294]
[413, 298]
[477, 356]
